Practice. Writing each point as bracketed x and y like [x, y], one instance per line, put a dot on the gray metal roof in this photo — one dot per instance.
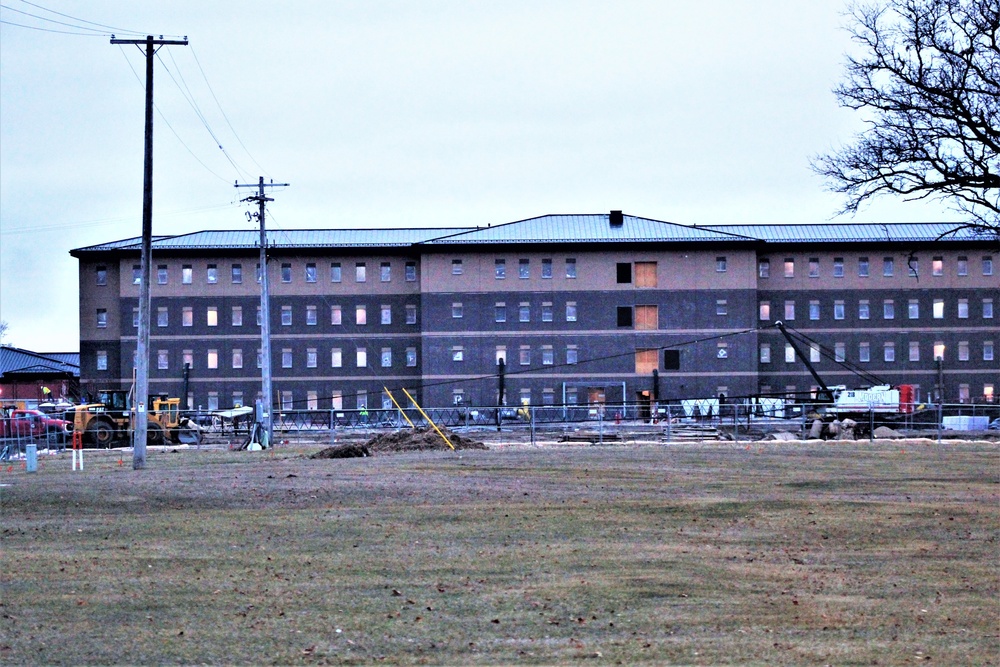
[848, 232]
[15, 361]
[582, 229]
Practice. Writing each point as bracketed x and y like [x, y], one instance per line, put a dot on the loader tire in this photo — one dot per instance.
[155, 435]
[101, 434]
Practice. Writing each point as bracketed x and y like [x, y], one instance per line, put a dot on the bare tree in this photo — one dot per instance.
[928, 85]
[3, 330]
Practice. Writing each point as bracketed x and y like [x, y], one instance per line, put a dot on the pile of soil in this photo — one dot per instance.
[348, 451]
[418, 439]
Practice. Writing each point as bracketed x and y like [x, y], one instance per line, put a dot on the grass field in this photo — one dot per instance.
[770, 554]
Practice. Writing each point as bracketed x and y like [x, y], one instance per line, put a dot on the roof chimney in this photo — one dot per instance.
[616, 219]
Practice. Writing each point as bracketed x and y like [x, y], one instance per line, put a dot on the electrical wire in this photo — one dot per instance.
[100, 25]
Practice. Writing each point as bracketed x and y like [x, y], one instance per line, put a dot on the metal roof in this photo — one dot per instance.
[15, 361]
[849, 232]
[582, 229]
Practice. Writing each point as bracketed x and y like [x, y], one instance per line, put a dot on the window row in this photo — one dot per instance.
[162, 316]
[889, 266]
[543, 354]
[523, 268]
[913, 351]
[310, 273]
[211, 358]
[864, 309]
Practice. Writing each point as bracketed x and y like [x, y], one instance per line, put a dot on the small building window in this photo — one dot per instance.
[721, 307]
[838, 267]
[571, 311]
[937, 266]
[862, 267]
[336, 315]
[547, 268]
[311, 318]
[889, 352]
[839, 352]
[161, 274]
[914, 353]
[411, 313]
[888, 310]
[386, 314]
[311, 272]
[286, 316]
[864, 310]
[286, 273]
[385, 272]
[789, 310]
[187, 274]
[963, 309]
[523, 269]
[411, 357]
[546, 311]
[212, 316]
[814, 267]
[765, 353]
[524, 312]
[814, 310]
[360, 272]
[913, 309]
[764, 311]
[888, 267]
[500, 269]
[764, 268]
[789, 267]
[212, 274]
[500, 312]
[187, 316]
[237, 358]
[987, 309]
[720, 264]
[236, 274]
[938, 309]
[623, 273]
[838, 310]
[162, 360]
[360, 315]
[336, 274]
[570, 267]
[410, 272]
[624, 316]
[361, 357]
[336, 358]
[213, 359]
[864, 352]
[101, 275]
[456, 267]
[962, 265]
[102, 360]
[162, 316]
[456, 310]
[386, 357]
[136, 274]
[987, 265]
[286, 357]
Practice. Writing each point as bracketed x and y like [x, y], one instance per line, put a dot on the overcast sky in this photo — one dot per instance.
[407, 114]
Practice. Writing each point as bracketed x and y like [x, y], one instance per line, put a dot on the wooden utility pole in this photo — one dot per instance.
[267, 409]
[141, 393]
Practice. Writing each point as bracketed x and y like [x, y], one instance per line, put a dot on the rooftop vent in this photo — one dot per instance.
[616, 219]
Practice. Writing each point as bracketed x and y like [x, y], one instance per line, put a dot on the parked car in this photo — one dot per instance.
[995, 425]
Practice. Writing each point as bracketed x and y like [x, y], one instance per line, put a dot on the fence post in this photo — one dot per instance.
[871, 424]
[736, 422]
[939, 419]
[531, 415]
[669, 422]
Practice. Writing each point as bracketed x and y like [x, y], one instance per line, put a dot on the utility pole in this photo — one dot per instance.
[141, 395]
[267, 410]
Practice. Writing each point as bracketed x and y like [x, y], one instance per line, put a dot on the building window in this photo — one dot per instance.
[187, 316]
[789, 267]
[101, 275]
[720, 264]
[721, 307]
[838, 310]
[546, 311]
[914, 350]
[962, 265]
[187, 274]
[838, 267]
[789, 354]
[570, 267]
[814, 310]
[645, 275]
[864, 312]
[260, 358]
[360, 272]
[623, 273]
[237, 358]
[888, 309]
[987, 309]
[286, 316]
[547, 269]
[258, 273]
[410, 272]
[524, 312]
[524, 355]
[646, 361]
[647, 318]
[937, 266]
[888, 266]
[765, 353]
[286, 357]
[571, 311]
[411, 357]
[721, 350]
[161, 274]
[385, 272]
[360, 315]
[548, 355]
[411, 313]
[386, 357]
[889, 352]
[212, 274]
[336, 274]
[312, 400]
[523, 269]
[311, 317]
[913, 309]
[864, 352]
[336, 357]
[212, 316]
[572, 354]
[987, 265]
[286, 273]
[814, 267]
[213, 400]
[764, 268]
[500, 312]
[310, 272]
[963, 309]
[624, 316]
[311, 357]
[162, 360]
[963, 350]
[789, 310]
[814, 354]
[839, 352]
[136, 274]
[336, 315]
[988, 393]
[456, 310]
[938, 309]
[764, 311]
[162, 316]
[500, 269]
[213, 359]
[237, 274]
[987, 350]
[913, 267]
[385, 316]
[187, 358]
[361, 357]
[862, 267]
[456, 267]
[102, 360]
[135, 318]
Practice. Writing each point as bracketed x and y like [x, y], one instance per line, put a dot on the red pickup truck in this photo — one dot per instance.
[15, 423]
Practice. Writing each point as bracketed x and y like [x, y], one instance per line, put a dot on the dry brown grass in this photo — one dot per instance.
[771, 554]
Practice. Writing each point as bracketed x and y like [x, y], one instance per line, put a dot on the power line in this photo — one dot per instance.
[100, 25]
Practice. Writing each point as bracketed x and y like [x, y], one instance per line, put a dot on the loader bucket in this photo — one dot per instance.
[189, 436]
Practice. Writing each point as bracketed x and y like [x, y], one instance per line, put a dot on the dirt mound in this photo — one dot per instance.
[348, 451]
[409, 440]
